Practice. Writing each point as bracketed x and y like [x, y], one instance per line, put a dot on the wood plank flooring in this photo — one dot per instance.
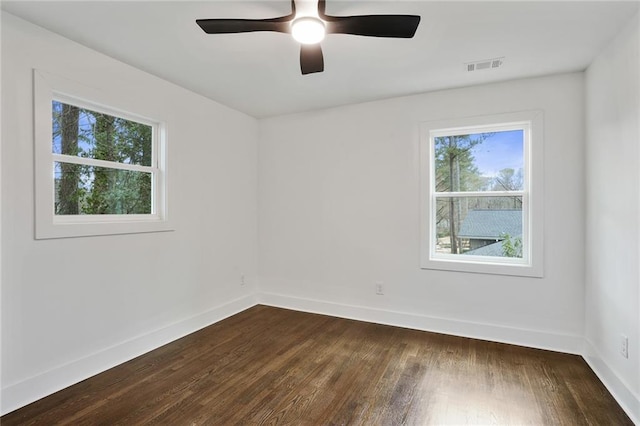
[274, 366]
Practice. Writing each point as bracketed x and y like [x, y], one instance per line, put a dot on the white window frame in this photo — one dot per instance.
[49, 88]
[531, 264]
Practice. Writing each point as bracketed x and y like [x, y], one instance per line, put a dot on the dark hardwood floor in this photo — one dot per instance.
[274, 366]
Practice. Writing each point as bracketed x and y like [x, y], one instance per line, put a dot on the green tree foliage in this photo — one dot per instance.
[455, 167]
[103, 190]
[511, 247]
[99, 199]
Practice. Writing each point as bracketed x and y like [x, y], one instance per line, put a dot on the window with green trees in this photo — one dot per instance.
[102, 163]
[100, 157]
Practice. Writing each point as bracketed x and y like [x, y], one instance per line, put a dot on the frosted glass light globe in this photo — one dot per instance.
[307, 30]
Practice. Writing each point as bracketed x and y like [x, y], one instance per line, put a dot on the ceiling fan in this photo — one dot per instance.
[309, 29]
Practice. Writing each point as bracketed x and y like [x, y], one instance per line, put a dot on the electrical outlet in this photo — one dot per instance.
[242, 281]
[379, 288]
[624, 346]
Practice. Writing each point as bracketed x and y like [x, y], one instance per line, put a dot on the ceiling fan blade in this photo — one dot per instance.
[226, 26]
[311, 59]
[397, 26]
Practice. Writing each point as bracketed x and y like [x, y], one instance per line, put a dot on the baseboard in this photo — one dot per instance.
[34, 388]
[572, 344]
[629, 401]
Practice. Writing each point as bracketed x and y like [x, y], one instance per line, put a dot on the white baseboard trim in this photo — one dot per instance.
[22, 393]
[572, 344]
[629, 401]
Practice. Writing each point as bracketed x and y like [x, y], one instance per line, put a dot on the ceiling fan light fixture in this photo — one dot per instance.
[309, 27]
[308, 30]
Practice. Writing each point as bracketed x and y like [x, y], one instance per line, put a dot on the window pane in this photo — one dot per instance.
[481, 226]
[480, 162]
[83, 190]
[90, 134]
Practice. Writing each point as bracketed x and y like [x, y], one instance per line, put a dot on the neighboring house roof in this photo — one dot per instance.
[491, 224]
[494, 249]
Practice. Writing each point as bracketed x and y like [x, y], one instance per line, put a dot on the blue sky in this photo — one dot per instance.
[501, 151]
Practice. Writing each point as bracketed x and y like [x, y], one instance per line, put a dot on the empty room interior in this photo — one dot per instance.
[424, 213]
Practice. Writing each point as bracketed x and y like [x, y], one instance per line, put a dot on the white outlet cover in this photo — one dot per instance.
[624, 346]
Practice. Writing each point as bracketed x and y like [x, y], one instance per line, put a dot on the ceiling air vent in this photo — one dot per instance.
[485, 64]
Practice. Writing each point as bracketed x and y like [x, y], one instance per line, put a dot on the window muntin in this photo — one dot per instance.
[477, 188]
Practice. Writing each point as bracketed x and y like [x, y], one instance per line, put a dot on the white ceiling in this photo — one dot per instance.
[259, 74]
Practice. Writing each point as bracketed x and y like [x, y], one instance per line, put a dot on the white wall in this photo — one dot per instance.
[339, 210]
[74, 307]
[613, 216]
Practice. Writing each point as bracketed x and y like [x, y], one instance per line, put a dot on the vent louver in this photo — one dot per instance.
[485, 64]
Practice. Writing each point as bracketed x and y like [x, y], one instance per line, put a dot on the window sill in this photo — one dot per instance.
[66, 228]
[482, 266]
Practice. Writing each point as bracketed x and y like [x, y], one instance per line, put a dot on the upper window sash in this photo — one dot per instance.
[93, 107]
[434, 134]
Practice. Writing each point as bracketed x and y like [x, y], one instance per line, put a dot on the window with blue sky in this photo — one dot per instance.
[477, 194]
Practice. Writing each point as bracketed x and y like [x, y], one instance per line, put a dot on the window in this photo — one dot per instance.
[102, 164]
[481, 211]
[99, 170]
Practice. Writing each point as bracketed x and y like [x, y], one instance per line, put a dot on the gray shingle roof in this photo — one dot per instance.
[494, 249]
[491, 224]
